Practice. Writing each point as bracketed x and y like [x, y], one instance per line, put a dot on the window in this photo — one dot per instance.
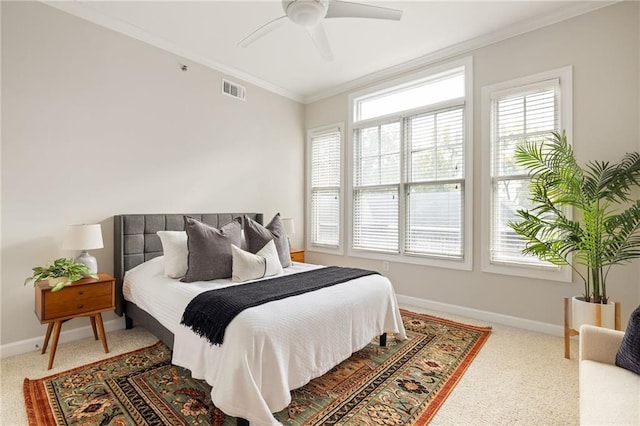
[325, 170]
[525, 109]
[435, 183]
[410, 153]
[376, 187]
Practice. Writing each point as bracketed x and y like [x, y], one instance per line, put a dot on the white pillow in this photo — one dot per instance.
[248, 266]
[176, 253]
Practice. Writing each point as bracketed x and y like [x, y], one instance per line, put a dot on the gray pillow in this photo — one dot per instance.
[258, 236]
[210, 249]
[628, 355]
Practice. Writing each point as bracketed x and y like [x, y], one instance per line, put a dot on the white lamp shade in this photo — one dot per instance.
[289, 226]
[83, 237]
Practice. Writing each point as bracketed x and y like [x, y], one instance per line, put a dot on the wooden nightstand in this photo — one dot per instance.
[87, 297]
[297, 255]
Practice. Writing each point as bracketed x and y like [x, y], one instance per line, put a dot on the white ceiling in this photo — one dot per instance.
[285, 60]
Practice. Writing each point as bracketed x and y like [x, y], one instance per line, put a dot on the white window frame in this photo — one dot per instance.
[310, 246]
[565, 121]
[466, 263]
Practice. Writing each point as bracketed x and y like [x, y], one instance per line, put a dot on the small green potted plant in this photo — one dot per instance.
[60, 273]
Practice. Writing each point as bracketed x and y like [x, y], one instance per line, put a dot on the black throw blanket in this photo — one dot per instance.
[209, 313]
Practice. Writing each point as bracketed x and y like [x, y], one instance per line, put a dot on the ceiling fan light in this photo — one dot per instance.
[306, 12]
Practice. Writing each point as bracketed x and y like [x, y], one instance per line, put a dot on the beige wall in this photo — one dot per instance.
[97, 124]
[604, 49]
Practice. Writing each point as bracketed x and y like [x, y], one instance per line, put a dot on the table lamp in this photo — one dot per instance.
[289, 228]
[84, 237]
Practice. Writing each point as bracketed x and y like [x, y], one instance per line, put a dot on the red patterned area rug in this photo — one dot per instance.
[403, 383]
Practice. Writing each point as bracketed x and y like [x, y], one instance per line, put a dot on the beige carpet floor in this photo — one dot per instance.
[518, 378]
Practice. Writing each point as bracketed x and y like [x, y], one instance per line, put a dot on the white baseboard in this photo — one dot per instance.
[24, 346]
[540, 327]
[35, 343]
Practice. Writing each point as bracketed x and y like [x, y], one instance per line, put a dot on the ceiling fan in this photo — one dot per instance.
[310, 14]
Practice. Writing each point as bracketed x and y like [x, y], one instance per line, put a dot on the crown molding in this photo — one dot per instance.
[571, 11]
[83, 11]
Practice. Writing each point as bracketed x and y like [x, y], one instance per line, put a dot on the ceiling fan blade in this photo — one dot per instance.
[345, 9]
[320, 39]
[262, 31]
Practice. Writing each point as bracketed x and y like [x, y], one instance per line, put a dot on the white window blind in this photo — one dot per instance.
[529, 113]
[325, 161]
[435, 184]
[408, 172]
[376, 181]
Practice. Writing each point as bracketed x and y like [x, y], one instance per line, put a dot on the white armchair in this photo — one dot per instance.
[609, 395]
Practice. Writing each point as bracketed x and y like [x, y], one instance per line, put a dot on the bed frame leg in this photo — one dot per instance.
[128, 322]
[383, 339]
[242, 422]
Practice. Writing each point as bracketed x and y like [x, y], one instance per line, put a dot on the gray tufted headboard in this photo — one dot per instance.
[136, 241]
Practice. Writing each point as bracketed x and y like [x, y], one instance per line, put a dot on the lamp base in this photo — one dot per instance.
[89, 261]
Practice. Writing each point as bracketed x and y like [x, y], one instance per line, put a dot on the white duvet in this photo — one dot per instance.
[273, 348]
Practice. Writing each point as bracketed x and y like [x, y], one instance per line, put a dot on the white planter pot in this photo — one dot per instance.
[54, 281]
[592, 313]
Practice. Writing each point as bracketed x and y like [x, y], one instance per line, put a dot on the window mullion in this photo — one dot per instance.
[375, 187]
[376, 122]
[380, 154]
[437, 182]
[402, 200]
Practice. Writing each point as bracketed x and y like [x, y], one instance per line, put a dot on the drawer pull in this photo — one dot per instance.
[81, 292]
[80, 306]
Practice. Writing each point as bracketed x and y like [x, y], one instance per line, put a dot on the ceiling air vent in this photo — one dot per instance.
[234, 90]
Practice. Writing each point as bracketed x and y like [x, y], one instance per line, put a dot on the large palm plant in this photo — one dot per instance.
[607, 229]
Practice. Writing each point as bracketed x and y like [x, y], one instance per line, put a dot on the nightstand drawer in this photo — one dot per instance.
[297, 255]
[87, 297]
[72, 301]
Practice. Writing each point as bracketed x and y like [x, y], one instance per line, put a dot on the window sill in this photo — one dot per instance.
[338, 251]
[461, 265]
[563, 274]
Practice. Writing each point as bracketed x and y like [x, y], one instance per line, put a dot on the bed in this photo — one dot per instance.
[268, 349]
